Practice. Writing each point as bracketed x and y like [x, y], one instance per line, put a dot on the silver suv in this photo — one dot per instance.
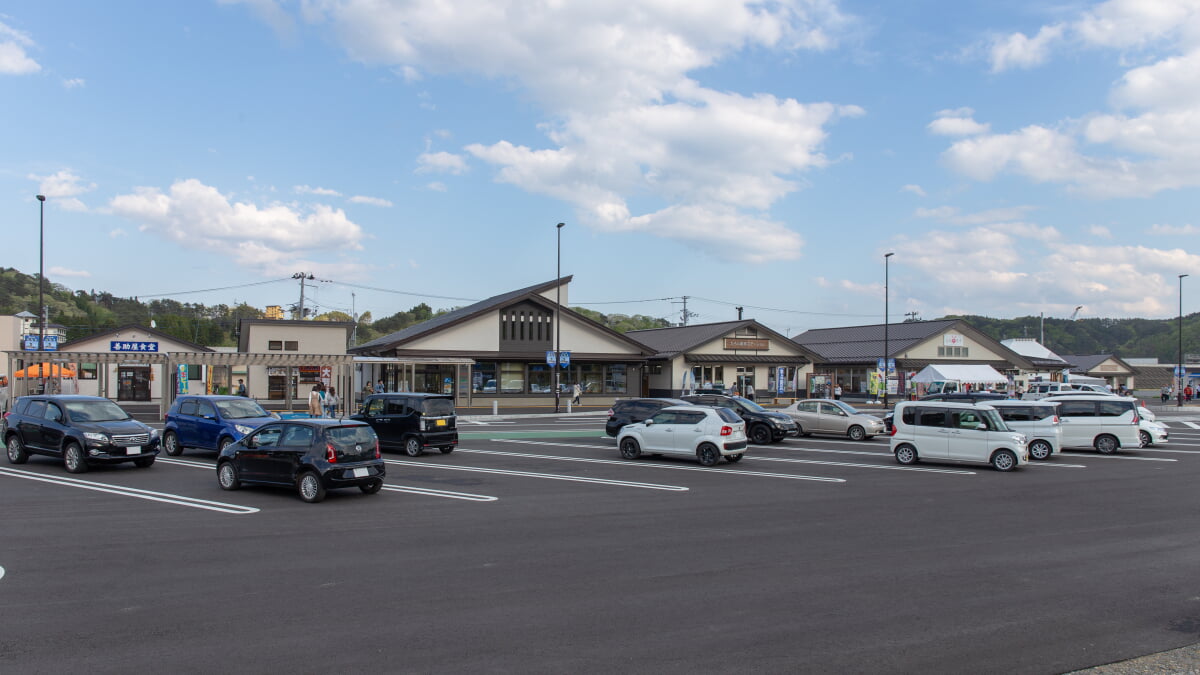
[708, 434]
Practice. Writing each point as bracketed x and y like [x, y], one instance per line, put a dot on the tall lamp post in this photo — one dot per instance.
[41, 282]
[1179, 365]
[886, 257]
[558, 320]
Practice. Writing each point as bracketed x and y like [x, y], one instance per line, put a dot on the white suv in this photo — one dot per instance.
[708, 434]
[963, 432]
[1039, 422]
[1106, 423]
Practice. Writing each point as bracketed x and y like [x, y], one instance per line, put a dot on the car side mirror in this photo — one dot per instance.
[649, 422]
[981, 427]
[250, 443]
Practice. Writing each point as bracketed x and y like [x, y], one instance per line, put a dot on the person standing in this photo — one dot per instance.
[750, 391]
[314, 401]
[331, 403]
[379, 389]
[1166, 393]
[241, 388]
[576, 391]
[837, 393]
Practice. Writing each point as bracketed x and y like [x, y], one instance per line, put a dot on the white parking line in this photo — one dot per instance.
[1158, 449]
[549, 476]
[862, 466]
[1, 572]
[441, 493]
[1144, 459]
[624, 462]
[1193, 425]
[188, 462]
[131, 492]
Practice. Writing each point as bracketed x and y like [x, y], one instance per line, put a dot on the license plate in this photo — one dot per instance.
[133, 451]
[362, 473]
[441, 423]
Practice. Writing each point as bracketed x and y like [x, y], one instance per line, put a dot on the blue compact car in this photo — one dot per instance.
[211, 422]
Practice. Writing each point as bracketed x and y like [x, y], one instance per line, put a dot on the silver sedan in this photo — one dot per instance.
[827, 416]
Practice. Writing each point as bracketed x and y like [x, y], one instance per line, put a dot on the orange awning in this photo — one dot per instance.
[45, 370]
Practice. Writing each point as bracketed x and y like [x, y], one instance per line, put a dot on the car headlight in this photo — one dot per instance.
[99, 438]
[243, 429]
[153, 433]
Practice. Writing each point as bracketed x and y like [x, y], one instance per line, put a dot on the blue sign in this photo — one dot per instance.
[1180, 371]
[31, 343]
[879, 365]
[137, 346]
[50, 343]
[891, 365]
[564, 359]
[551, 358]
[780, 373]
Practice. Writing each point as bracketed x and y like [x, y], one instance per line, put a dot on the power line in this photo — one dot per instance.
[209, 290]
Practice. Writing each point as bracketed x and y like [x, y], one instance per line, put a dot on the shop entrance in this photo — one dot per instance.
[133, 383]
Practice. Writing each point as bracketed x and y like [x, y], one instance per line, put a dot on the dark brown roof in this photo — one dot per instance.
[1084, 363]
[865, 344]
[669, 342]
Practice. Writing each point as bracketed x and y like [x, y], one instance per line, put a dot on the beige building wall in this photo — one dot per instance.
[481, 334]
[976, 351]
[103, 343]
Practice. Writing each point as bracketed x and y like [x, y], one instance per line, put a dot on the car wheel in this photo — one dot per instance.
[372, 487]
[1004, 460]
[800, 431]
[760, 434]
[16, 450]
[446, 449]
[310, 488]
[733, 459]
[906, 454]
[1144, 439]
[1040, 450]
[412, 446]
[224, 443]
[857, 433]
[1106, 444]
[144, 462]
[171, 444]
[227, 476]
[708, 454]
[630, 449]
[73, 458]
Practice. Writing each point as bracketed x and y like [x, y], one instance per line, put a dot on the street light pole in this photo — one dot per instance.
[41, 283]
[558, 320]
[886, 258]
[1179, 364]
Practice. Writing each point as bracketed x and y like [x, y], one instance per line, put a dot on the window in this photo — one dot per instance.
[591, 378]
[376, 407]
[195, 372]
[615, 379]
[297, 437]
[36, 409]
[953, 351]
[1114, 408]
[664, 417]
[1016, 413]
[1041, 412]
[397, 406]
[291, 346]
[831, 409]
[205, 408]
[53, 413]
[268, 437]
[1077, 409]
[188, 407]
[967, 419]
[275, 345]
[931, 418]
[690, 417]
[483, 378]
[87, 371]
[807, 406]
[512, 378]
[540, 380]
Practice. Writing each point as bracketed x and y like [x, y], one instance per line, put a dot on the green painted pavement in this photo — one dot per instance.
[529, 434]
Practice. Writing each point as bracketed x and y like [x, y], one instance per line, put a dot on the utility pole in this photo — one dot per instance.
[684, 314]
[739, 309]
[302, 277]
[354, 313]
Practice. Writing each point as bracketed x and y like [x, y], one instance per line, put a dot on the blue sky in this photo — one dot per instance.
[1018, 158]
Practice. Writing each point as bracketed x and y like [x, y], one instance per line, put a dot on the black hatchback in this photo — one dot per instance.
[309, 455]
[80, 430]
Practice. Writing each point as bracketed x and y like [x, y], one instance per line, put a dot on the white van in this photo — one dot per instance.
[1038, 420]
[1106, 423]
[1040, 390]
[962, 432]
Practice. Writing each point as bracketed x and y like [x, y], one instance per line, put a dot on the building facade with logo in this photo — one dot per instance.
[128, 364]
[728, 355]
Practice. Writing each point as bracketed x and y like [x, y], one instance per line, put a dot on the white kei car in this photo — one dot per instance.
[708, 434]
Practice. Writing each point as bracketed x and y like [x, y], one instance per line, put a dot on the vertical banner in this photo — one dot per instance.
[181, 378]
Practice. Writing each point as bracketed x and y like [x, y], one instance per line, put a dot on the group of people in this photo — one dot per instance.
[322, 402]
[1185, 395]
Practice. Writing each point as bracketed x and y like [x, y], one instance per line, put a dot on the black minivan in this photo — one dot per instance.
[412, 421]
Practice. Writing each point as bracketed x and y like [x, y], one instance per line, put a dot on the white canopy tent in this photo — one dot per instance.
[954, 372]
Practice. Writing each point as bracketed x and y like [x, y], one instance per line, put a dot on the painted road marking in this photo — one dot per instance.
[131, 492]
[862, 466]
[549, 476]
[1193, 425]
[625, 462]
[1158, 449]
[1, 572]
[1144, 459]
[441, 493]
[187, 462]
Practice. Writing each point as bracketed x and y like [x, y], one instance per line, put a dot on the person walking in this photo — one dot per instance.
[331, 403]
[241, 388]
[314, 401]
[749, 391]
[1166, 393]
[1187, 393]
[576, 391]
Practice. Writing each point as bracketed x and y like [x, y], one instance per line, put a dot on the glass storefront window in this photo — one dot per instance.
[614, 379]
[709, 377]
[512, 378]
[591, 377]
[434, 379]
[540, 379]
[483, 378]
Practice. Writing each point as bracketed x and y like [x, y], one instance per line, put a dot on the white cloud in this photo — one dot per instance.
[951, 214]
[627, 120]
[67, 272]
[324, 192]
[915, 189]
[373, 201]
[74, 82]
[13, 59]
[72, 204]
[118, 232]
[62, 184]
[436, 186]
[271, 238]
[1020, 51]
[957, 123]
[1100, 232]
[1173, 230]
[441, 162]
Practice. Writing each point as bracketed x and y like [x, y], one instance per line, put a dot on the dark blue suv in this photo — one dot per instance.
[210, 422]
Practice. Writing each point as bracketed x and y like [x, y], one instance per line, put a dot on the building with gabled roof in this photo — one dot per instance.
[724, 355]
[1113, 370]
[499, 348]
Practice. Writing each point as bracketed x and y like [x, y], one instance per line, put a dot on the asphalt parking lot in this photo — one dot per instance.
[535, 548]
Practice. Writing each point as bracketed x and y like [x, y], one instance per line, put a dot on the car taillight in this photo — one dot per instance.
[1056, 420]
[726, 430]
[331, 454]
[893, 432]
[377, 455]
[1136, 419]
[610, 412]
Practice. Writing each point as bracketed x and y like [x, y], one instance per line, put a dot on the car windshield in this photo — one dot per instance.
[847, 408]
[240, 408]
[994, 421]
[748, 404]
[347, 437]
[438, 407]
[95, 411]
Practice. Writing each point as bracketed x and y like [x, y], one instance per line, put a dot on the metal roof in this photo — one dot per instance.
[671, 341]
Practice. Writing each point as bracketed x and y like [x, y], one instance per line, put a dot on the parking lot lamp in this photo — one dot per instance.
[558, 320]
[41, 280]
[886, 257]
[1179, 364]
